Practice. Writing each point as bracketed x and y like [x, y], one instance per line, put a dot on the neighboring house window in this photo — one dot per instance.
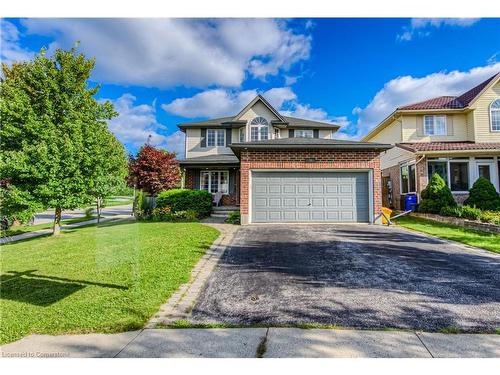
[439, 167]
[259, 129]
[304, 134]
[435, 125]
[215, 181]
[242, 134]
[454, 172]
[495, 115]
[459, 176]
[408, 179]
[216, 137]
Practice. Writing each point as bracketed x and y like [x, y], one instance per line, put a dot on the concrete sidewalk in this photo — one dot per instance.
[254, 342]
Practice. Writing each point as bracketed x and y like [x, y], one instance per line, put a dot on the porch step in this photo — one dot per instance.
[225, 209]
[221, 215]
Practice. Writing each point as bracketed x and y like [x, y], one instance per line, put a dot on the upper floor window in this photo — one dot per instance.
[495, 115]
[216, 137]
[242, 134]
[435, 125]
[259, 129]
[304, 133]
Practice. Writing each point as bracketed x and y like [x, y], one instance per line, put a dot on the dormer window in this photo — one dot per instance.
[259, 129]
[495, 116]
[304, 133]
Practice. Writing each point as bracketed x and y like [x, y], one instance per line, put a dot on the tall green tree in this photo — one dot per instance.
[50, 123]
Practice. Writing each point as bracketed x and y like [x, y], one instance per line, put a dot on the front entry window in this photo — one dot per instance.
[215, 181]
[484, 171]
[439, 167]
[408, 179]
[459, 176]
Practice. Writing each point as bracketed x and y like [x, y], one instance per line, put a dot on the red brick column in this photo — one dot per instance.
[301, 159]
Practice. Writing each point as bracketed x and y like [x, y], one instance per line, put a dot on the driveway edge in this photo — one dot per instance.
[179, 305]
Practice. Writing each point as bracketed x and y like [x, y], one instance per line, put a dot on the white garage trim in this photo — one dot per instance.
[369, 171]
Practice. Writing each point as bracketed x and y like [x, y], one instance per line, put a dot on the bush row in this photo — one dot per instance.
[472, 213]
[174, 205]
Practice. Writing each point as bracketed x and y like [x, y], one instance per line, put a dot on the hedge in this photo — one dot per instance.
[483, 195]
[472, 213]
[199, 201]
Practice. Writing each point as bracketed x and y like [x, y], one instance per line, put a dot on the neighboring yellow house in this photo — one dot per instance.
[456, 137]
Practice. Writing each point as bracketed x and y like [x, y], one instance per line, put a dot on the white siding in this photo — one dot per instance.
[394, 156]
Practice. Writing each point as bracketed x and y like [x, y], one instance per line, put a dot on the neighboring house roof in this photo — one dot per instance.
[308, 143]
[211, 159]
[447, 146]
[444, 103]
[283, 121]
[452, 102]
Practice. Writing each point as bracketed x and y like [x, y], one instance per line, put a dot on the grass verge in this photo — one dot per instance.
[106, 278]
[488, 241]
[14, 231]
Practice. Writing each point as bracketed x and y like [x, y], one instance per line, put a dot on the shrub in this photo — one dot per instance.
[436, 195]
[162, 214]
[483, 195]
[234, 218]
[490, 217]
[471, 213]
[451, 211]
[199, 201]
[166, 214]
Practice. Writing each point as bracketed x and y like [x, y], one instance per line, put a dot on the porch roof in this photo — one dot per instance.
[219, 159]
[430, 147]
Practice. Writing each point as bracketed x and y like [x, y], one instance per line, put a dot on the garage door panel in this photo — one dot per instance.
[310, 196]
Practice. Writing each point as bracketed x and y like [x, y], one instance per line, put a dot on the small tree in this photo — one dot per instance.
[483, 195]
[436, 195]
[153, 170]
[50, 119]
[110, 168]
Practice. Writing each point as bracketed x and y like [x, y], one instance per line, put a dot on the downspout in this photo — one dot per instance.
[416, 163]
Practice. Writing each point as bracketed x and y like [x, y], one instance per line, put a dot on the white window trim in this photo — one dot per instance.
[491, 117]
[242, 131]
[209, 172]
[401, 178]
[434, 126]
[309, 131]
[259, 127]
[216, 137]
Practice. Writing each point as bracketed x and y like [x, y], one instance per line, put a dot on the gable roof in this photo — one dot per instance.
[283, 121]
[265, 102]
[453, 102]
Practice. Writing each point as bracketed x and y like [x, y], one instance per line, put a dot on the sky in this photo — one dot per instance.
[349, 71]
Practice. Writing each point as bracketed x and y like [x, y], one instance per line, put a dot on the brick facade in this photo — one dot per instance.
[298, 159]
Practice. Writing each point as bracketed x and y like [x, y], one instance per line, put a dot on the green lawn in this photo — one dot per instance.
[118, 201]
[96, 279]
[452, 232]
[13, 231]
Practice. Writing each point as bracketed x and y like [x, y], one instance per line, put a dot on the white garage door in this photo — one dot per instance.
[309, 197]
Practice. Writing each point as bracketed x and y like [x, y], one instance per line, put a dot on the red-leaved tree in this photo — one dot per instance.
[153, 170]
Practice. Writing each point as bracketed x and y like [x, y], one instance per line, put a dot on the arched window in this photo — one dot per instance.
[495, 115]
[259, 129]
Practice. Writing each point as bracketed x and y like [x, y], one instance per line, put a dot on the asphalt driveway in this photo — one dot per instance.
[351, 275]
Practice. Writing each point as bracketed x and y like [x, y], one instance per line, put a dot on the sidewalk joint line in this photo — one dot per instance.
[127, 344]
[425, 346]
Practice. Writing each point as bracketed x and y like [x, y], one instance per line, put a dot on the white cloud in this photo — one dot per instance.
[169, 52]
[408, 89]
[420, 27]
[10, 50]
[219, 103]
[136, 123]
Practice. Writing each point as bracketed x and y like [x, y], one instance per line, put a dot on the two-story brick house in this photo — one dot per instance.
[457, 137]
[278, 168]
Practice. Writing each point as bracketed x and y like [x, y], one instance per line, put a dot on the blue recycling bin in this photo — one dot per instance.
[410, 202]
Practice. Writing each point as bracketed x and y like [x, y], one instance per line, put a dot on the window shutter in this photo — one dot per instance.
[420, 126]
[228, 136]
[449, 125]
[232, 177]
[316, 133]
[203, 142]
[291, 133]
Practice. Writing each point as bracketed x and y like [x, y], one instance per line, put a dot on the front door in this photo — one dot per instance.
[487, 170]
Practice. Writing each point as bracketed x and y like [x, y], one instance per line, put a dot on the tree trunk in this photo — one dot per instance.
[57, 222]
[98, 206]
